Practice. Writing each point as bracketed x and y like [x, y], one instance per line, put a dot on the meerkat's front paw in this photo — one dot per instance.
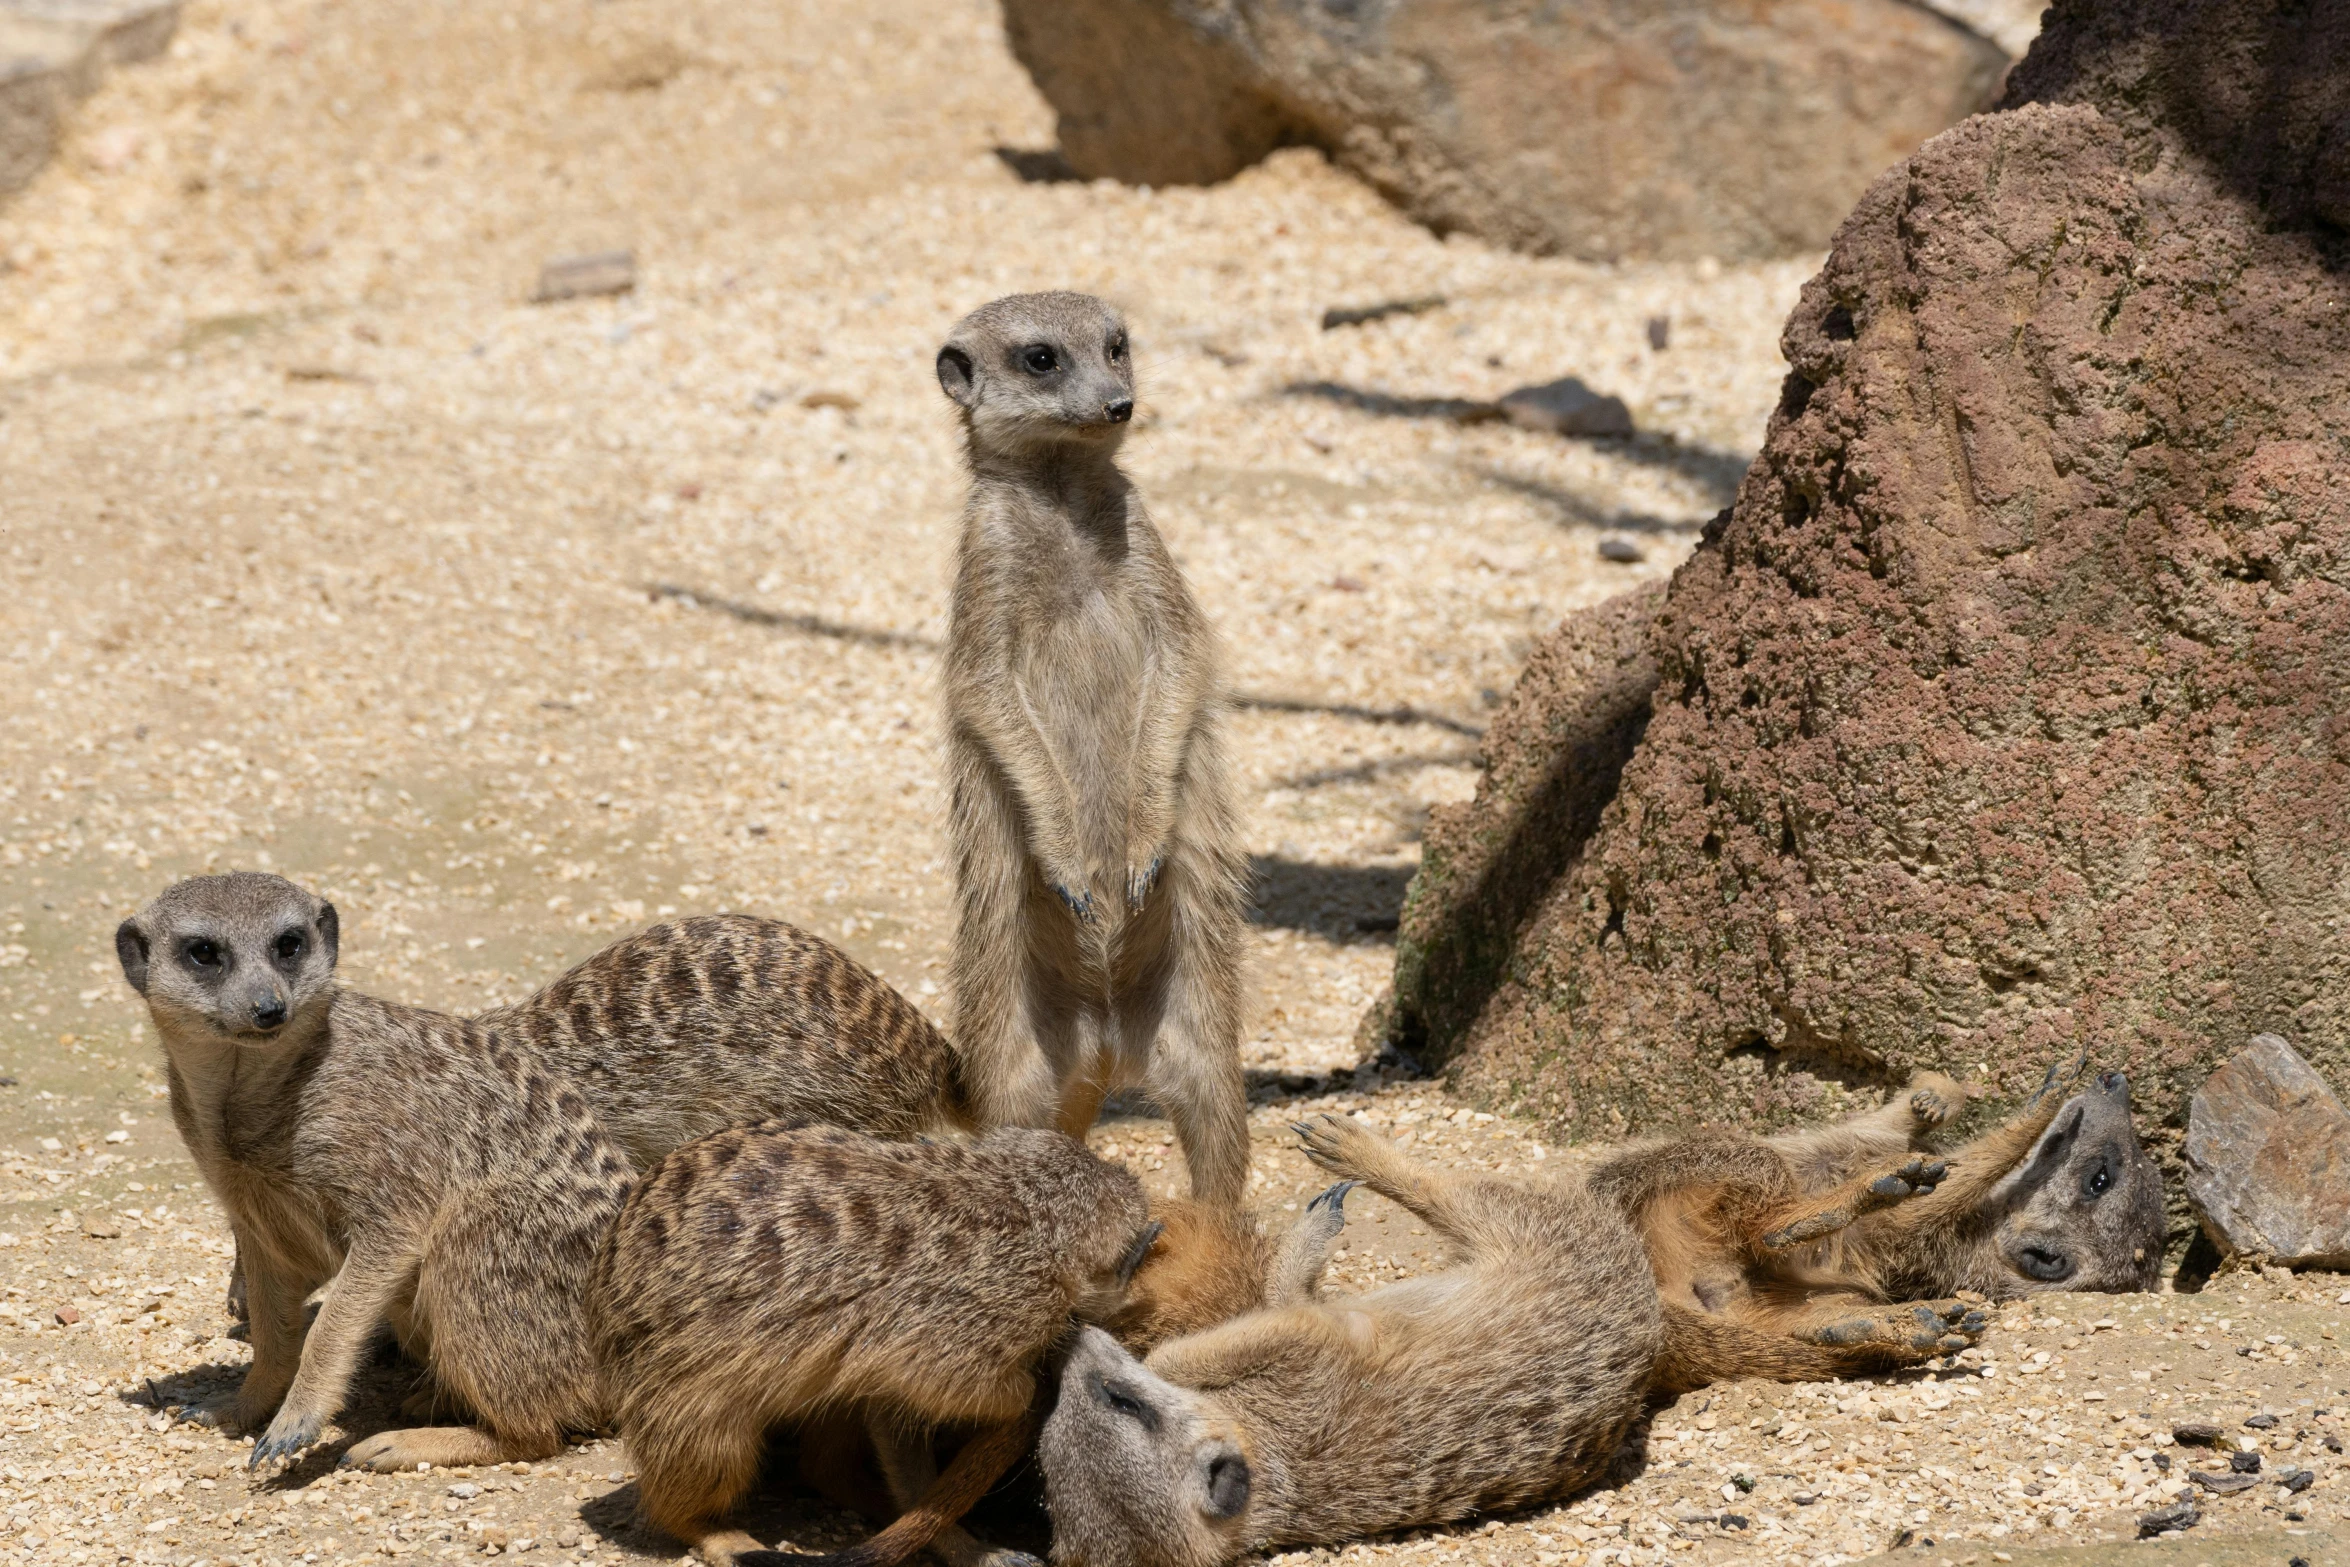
[287, 1435]
[257, 1400]
[1079, 902]
[2059, 1073]
[1140, 881]
[1914, 1178]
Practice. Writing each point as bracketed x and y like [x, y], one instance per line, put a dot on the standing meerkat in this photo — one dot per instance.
[425, 1169]
[1098, 871]
[1507, 1380]
[773, 1274]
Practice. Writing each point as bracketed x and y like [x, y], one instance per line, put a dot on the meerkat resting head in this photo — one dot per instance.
[1032, 372]
[242, 958]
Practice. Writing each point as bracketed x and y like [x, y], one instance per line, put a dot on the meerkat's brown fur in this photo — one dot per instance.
[1509, 1379]
[426, 1169]
[682, 1029]
[767, 1276]
[1830, 1252]
[1098, 871]
[1209, 1264]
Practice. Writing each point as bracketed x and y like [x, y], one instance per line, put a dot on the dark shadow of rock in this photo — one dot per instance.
[1338, 902]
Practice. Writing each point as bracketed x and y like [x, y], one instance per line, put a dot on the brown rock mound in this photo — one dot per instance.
[2009, 709]
[1668, 128]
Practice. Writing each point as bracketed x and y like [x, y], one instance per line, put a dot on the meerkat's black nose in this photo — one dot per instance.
[269, 1013]
[1120, 411]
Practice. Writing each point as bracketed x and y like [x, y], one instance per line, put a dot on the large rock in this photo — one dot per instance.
[1600, 128]
[2009, 708]
[2268, 1160]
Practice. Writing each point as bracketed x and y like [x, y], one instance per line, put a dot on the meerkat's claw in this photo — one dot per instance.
[2059, 1072]
[1335, 1196]
[284, 1439]
[1140, 882]
[1078, 903]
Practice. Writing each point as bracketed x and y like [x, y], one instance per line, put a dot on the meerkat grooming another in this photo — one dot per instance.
[428, 1170]
[1509, 1379]
[768, 1275]
[1098, 871]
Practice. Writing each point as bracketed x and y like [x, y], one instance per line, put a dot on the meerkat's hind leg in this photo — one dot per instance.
[1464, 1214]
[1296, 1274]
[445, 1447]
[1866, 1194]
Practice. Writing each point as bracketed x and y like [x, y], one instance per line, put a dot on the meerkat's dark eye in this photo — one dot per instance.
[289, 946]
[1117, 349]
[203, 954]
[1039, 359]
[2100, 1180]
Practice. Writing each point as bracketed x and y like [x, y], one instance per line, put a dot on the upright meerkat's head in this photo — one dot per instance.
[234, 957]
[1141, 1473]
[2084, 1209]
[1036, 371]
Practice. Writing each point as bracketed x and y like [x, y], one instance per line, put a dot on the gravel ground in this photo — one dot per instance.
[513, 626]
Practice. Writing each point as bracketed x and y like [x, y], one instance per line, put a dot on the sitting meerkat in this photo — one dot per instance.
[1805, 1237]
[662, 1036]
[1098, 870]
[1509, 1379]
[426, 1169]
[769, 1275]
[677, 1030]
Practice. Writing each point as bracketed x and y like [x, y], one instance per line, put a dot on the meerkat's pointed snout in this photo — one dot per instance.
[1118, 410]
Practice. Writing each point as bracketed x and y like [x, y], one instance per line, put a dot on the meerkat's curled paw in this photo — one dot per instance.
[1139, 883]
[1079, 903]
[1934, 1099]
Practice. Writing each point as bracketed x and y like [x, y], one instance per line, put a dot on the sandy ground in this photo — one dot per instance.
[514, 626]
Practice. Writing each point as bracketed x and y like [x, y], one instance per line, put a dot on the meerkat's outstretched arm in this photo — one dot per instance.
[1978, 1166]
[1701, 1349]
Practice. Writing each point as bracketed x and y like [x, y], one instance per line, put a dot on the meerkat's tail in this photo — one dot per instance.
[974, 1470]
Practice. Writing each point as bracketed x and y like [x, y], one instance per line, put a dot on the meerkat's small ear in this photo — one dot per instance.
[130, 945]
[329, 932]
[954, 376]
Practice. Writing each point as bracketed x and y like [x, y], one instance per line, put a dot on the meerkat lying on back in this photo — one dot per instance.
[288, 1091]
[1510, 1379]
[1790, 1256]
[770, 1274]
[1098, 872]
